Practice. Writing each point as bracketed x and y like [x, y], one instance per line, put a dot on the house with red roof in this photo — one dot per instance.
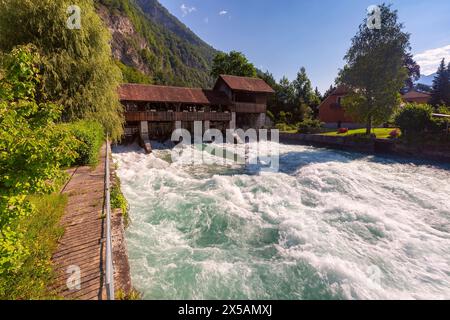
[332, 113]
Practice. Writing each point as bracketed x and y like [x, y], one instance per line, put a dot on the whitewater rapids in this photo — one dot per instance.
[328, 225]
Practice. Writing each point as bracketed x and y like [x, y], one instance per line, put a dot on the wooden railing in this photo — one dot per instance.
[163, 116]
[245, 107]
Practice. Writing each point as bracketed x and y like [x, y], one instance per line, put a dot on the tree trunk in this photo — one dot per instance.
[369, 126]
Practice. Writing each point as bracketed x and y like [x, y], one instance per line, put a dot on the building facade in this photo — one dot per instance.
[154, 112]
[332, 113]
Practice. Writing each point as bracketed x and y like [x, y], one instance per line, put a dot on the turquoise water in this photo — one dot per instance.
[329, 225]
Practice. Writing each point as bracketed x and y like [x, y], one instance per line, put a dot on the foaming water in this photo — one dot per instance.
[328, 225]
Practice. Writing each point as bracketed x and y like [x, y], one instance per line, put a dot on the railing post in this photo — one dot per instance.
[109, 271]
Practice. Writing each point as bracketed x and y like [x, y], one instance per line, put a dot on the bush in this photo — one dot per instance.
[90, 138]
[118, 200]
[437, 125]
[284, 127]
[309, 126]
[414, 118]
[394, 134]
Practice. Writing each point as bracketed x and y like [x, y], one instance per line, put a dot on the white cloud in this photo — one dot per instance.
[429, 60]
[186, 9]
[223, 12]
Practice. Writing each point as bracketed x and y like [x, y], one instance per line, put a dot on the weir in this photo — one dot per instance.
[154, 112]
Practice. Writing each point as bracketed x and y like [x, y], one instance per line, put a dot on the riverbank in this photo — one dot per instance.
[373, 146]
[81, 250]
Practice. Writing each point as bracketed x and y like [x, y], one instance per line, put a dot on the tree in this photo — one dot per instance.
[235, 63]
[33, 149]
[375, 71]
[273, 105]
[318, 94]
[303, 88]
[286, 93]
[413, 71]
[78, 69]
[440, 93]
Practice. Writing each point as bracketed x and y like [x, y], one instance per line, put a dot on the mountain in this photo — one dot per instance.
[428, 80]
[153, 46]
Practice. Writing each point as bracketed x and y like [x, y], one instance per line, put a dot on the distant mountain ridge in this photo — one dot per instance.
[428, 80]
[153, 46]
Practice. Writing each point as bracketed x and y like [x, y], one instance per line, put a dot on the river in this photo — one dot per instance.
[328, 225]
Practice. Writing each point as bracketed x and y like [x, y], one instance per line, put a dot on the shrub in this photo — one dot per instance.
[90, 137]
[284, 127]
[118, 200]
[414, 118]
[309, 126]
[270, 115]
[394, 134]
[437, 125]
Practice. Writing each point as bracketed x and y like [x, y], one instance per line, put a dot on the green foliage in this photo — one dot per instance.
[78, 70]
[285, 127]
[303, 88]
[118, 200]
[90, 137]
[440, 93]
[40, 230]
[132, 295]
[304, 112]
[235, 64]
[309, 126]
[33, 148]
[414, 118]
[132, 75]
[293, 101]
[375, 70]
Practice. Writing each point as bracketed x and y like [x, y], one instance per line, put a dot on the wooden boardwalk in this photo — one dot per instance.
[82, 245]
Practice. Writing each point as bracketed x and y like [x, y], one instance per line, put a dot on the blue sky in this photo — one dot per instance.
[283, 35]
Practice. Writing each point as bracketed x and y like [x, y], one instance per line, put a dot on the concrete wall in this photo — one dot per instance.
[374, 146]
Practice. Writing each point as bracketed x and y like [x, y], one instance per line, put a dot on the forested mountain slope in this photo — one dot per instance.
[153, 46]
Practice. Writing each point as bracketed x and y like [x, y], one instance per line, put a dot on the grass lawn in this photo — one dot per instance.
[289, 131]
[381, 133]
[42, 231]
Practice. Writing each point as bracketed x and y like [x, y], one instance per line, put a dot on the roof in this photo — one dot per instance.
[340, 90]
[246, 84]
[416, 94]
[151, 93]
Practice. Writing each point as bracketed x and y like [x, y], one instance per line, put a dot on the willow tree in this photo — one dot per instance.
[375, 71]
[78, 70]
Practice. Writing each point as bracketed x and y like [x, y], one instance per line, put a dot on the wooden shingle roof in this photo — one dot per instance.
[152, 93]
[246, 84]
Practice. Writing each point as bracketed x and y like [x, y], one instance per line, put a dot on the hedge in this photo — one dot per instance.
[90, 136]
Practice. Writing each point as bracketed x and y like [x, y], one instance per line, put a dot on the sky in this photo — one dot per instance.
[283, 35]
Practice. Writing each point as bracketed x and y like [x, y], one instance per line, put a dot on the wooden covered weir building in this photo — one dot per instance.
[154, 112]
